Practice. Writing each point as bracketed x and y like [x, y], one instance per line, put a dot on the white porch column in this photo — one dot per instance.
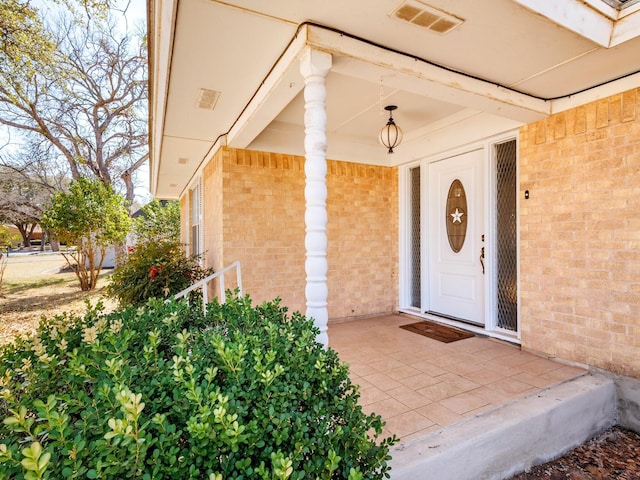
[314, 66]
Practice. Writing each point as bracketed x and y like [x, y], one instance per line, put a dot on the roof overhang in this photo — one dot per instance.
[250, 51]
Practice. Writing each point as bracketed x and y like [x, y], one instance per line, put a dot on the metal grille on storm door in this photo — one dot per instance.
[415, 238]
[507, 238]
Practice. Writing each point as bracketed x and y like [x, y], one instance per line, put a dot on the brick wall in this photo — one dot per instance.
[362, 228]
[212, 212]
[212, 223]
[254, 212]
[580, 234]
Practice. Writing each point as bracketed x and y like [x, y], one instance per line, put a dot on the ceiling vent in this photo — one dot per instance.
[426, 16]
[207, 99]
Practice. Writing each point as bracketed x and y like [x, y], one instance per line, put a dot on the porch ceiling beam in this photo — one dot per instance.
[575, 15]
[360, 59]
[591, 19]
[282, 84]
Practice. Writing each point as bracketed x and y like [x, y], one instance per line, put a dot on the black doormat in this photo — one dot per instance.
[439, 332]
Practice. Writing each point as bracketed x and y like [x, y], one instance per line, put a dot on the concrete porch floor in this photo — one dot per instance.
[419, 385]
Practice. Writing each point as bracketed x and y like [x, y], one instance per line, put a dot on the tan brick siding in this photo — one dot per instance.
[254, 212]
[263, 224]
[212, 212]
[580, 234]
[212, 223]
[362, 229]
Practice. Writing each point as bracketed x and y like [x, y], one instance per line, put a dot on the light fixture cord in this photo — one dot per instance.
[381, 95]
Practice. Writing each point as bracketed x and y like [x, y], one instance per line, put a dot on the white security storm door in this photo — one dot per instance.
[456, 238]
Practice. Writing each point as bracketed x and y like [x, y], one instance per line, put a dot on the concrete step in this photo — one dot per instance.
[497, 444]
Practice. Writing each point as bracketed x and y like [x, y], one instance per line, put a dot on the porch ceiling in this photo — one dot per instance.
[504, 61]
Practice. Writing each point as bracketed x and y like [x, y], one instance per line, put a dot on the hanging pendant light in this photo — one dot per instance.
[390, 135]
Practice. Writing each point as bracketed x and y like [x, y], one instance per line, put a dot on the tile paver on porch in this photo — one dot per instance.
[419, 385]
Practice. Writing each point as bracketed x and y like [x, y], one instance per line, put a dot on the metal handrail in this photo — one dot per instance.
[203, 283]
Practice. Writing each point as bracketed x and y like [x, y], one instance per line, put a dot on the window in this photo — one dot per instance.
[194, 200]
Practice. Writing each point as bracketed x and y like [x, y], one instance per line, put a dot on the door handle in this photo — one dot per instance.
[482, 259]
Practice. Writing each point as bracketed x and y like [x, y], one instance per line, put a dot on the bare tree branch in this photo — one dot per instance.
[90, 104]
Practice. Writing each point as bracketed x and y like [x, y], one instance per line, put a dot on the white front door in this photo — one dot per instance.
[456, 237]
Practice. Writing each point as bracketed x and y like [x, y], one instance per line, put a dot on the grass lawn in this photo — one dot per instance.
[36, 285]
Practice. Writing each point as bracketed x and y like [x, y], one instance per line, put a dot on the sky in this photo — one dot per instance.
[137, 13]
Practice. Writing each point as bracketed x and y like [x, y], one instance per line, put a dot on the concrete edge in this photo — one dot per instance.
[628, 391]
[510, 439]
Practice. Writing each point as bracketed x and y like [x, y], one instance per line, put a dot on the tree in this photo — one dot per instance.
[24, 43]
[91, 217]
[85, 99]
[159, 221]
[7, 238]
[22, 200]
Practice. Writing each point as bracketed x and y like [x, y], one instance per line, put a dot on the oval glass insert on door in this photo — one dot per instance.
[456, 215]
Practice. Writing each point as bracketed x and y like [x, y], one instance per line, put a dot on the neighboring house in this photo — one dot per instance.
[15, 232]
[510, 208]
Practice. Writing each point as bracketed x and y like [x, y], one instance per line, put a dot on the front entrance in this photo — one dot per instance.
[460, 251]
[456, 239]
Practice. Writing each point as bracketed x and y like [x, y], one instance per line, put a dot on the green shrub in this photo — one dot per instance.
[165, 392]
[155, 269]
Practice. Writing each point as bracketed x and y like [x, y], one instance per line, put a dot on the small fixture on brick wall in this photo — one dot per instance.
[390, 135]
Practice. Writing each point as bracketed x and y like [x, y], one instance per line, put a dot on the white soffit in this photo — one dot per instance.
[591, 19]
[209, 39]
[181, 158]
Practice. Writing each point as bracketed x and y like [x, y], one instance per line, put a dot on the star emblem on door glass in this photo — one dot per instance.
[457, 216]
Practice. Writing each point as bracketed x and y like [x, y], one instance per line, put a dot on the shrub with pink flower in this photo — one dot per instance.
[155, 269]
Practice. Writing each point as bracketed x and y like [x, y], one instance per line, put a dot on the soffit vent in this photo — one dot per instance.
[426, 16]
[207, 99]
[620, 4]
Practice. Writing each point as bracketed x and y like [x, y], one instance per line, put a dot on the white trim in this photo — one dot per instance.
[195, 187]
[404, 189]
[201, 209]
[425, 279]
[518, 232]
[593, 94]
[489, 243]
[591, 19]
[404, 224]
[162, 15]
